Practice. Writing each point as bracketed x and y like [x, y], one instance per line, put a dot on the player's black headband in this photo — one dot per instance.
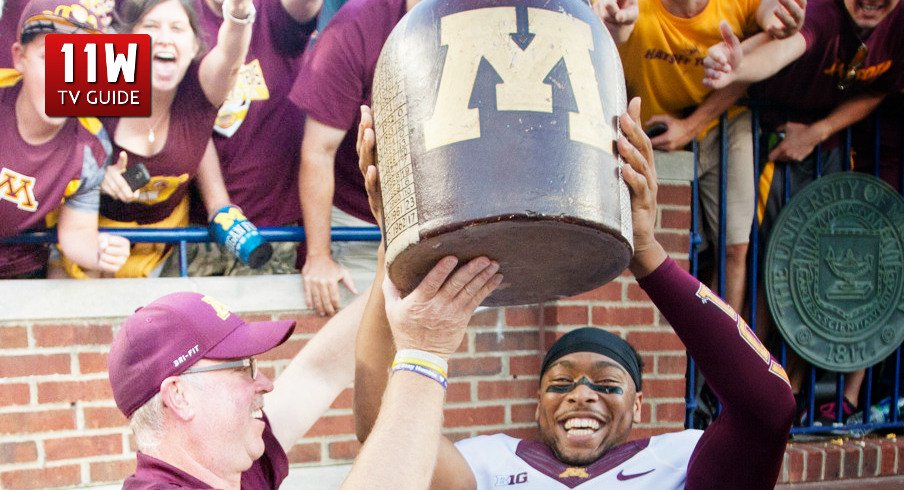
[597, 340]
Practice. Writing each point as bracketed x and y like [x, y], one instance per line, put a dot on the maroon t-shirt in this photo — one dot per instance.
[267, 472]
[260, 159]
[191, 118]
[807, 89]
[9, 20]
[34, 180]
[335, 80]
[891, 154]
[743, 448]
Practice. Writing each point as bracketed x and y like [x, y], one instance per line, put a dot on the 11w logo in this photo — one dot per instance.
[116, 63]
[98, 75]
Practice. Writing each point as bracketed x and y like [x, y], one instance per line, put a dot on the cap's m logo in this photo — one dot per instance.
[523, 46]
[18, 189]
[221, 309]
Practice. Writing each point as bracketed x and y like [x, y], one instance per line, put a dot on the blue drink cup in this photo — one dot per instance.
[230, 228]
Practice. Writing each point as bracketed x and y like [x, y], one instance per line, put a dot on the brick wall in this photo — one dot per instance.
[841, 460]
[59, 426]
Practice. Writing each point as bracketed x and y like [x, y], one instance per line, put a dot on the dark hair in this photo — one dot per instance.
[130, 12]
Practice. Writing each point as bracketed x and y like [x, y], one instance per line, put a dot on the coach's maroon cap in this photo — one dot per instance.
[57, 17]
[171, 334]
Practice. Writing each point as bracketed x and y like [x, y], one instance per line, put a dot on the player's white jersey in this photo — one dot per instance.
[658, 463]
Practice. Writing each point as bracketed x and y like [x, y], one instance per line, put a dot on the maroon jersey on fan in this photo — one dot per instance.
[807, 89]
[9, 25]
[191, 118]
[34, 179]
[258, 132]
[889, 118]
[336, 78]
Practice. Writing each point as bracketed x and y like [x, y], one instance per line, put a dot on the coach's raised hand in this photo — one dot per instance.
[434, 316]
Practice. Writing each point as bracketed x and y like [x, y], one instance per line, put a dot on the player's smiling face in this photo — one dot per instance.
[579, 425]
[173, 43]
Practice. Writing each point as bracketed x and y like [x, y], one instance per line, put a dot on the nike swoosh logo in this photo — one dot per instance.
[622, 476]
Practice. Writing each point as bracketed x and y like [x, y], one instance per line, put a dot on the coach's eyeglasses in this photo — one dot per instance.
[850, 74]
[244, 363]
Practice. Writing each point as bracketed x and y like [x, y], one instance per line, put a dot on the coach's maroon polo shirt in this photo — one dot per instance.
[267, 472]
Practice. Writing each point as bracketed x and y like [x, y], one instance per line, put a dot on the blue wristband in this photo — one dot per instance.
[423, 371]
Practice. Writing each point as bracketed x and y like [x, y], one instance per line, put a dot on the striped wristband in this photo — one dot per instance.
[423, 371]
[422, 358]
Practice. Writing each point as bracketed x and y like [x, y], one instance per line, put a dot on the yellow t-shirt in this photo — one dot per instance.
[663, 58]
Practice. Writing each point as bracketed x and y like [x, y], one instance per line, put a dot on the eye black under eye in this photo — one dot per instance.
[604, 389]
[560, 388]
[608, 390]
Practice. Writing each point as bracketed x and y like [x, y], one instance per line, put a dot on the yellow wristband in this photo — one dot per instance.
[420, 362]
[424, 356]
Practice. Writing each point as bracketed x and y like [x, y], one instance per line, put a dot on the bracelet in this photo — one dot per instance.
[424, 358]
[422, 363]
[423, 371]
[249, 19]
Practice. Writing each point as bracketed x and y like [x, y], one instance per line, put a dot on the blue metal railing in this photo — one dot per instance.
[867, 401]
[695, 241]
[183, 236]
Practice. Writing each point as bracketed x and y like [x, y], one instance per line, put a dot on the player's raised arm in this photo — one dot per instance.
[744, 447]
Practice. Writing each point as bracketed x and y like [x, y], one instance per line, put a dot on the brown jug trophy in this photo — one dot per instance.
[495, 125]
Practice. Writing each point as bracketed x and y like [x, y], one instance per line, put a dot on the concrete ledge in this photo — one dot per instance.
[675, 166]
[24, 300]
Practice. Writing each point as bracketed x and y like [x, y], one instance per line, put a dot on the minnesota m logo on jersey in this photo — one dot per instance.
[522, 45]
[18, 189]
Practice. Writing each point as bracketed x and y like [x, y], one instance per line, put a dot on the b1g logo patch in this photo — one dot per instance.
[98, 75]
[509, 480]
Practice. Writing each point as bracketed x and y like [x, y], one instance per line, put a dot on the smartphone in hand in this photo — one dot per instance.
[774, 139]
[657, 129]
[136, 176]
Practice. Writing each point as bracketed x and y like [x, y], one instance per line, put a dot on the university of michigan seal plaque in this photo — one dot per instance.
[495, 123]
[834, 268]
